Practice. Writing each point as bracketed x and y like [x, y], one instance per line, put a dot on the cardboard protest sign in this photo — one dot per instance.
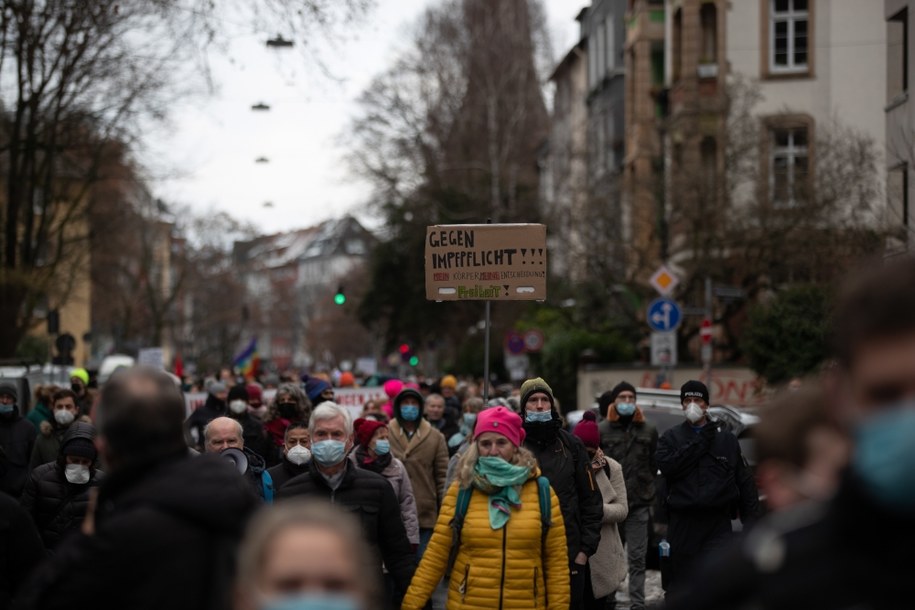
[493, 262]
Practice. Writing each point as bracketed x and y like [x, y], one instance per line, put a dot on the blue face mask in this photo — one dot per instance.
[470, 419]
[6, 409]
[539, 416]
[311, 601]
[328, 453]
[625, 409]
[885, 456]
[409, 412]
[382, 446]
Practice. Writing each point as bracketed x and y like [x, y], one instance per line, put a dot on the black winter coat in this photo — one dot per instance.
[564, 460]
[848, 553]
[255, 437]
[17, 438]
[20, 548]
[57, 506]
[371, 498]
[634, 447]
[285, 470]
[706, 469]
[165, 537]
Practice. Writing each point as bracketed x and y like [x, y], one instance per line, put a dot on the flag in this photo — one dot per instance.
[247, 361]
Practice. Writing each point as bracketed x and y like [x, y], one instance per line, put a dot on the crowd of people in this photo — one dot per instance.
[116, 497]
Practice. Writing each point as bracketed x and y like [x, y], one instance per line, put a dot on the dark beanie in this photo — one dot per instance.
[238, 392]
[607, 398]
[694, 389]
[80, 447]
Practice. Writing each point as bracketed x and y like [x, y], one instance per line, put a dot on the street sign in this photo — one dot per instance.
[664, 315]
[664, 280]
[514, 343]
[492, 262]
[663, 349]
[533, 340]
[517, 366]
[705, 331]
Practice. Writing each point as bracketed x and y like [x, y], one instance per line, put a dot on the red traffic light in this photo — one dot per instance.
[404, 348]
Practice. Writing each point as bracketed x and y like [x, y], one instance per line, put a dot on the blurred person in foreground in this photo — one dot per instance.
[21, 549]
[331, 476]
[17, 440]
[607, 567]
[800, 449]
[707, 478]
[855, 550]
[305, 554]
[164, 528]
[496, 541]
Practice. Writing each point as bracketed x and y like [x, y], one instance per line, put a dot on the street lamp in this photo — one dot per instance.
[260, 107]
[279, 42]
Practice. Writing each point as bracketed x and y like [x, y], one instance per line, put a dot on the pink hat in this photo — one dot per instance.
[501, 421]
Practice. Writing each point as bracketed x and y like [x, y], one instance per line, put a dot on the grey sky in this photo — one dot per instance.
[210, 150]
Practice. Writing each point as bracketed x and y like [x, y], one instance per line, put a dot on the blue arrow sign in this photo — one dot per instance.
[664, 315]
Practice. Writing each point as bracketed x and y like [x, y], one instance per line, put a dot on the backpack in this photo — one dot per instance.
[460, 511]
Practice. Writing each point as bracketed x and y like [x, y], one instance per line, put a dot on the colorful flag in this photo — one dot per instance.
[247, 362]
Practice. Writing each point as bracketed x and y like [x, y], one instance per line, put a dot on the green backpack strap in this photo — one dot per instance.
[457, 522]
[546, 520]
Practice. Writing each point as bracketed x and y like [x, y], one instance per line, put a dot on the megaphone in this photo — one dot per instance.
[237, 457]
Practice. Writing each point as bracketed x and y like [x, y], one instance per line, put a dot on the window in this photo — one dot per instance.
[788, 166]
[788, 36]
[708, 150]
[709, 18]
[592, 60]
[611, 47]
[897, 55]
[898, 193]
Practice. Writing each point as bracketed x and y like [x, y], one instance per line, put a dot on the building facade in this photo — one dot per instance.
[900, 119]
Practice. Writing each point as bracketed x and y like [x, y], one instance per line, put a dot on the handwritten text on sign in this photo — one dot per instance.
[486, 262]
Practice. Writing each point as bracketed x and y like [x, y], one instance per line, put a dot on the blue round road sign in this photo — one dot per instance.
[664, 315]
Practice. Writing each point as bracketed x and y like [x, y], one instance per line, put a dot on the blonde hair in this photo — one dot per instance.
[271, 521]
[468, 462]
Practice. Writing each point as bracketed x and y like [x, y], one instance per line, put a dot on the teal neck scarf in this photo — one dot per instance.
[500, 481]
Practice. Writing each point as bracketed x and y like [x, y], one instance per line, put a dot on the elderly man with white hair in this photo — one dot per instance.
[366, 494]
[226, 433]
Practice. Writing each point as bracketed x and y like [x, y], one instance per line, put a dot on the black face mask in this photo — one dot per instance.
[286, 409]
[77, 388]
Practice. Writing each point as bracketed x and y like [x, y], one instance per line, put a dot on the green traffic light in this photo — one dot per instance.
[414, 360]
[339, 298]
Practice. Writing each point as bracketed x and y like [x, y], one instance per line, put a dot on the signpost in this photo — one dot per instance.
[664, 280]
[663, 349]
[491, 262]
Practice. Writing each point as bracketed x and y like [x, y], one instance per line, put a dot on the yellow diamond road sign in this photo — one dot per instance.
[664, 280]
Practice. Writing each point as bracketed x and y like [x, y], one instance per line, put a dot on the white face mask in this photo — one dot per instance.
[77, 474]
[258, 412]
[238, 406]
[64, 417]
[694, 412]
[299, 455]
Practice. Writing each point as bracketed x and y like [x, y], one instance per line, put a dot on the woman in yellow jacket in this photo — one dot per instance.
[505, 557]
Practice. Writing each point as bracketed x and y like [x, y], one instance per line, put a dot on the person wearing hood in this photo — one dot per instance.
[626, 437]
[368, 495]
[253, 432]
[318, 390]
[17, 439]
[164, 525]
[373, 452]
[65, 411]
[565, 462]
[227, 433]
[424, 452]
[708, 481]
[215, 406]
[296, 455]
[57, 493]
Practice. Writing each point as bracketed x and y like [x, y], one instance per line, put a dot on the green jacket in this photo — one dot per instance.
[38, 414]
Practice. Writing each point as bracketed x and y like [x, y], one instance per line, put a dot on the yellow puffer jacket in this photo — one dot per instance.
[496, 568]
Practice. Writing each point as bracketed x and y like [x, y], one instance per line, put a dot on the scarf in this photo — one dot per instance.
[543, 432]
[500, 481]
[375, 465]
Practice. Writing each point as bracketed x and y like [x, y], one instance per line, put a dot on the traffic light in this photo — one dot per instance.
[414, 360]
[339, 298]
[407, 356]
